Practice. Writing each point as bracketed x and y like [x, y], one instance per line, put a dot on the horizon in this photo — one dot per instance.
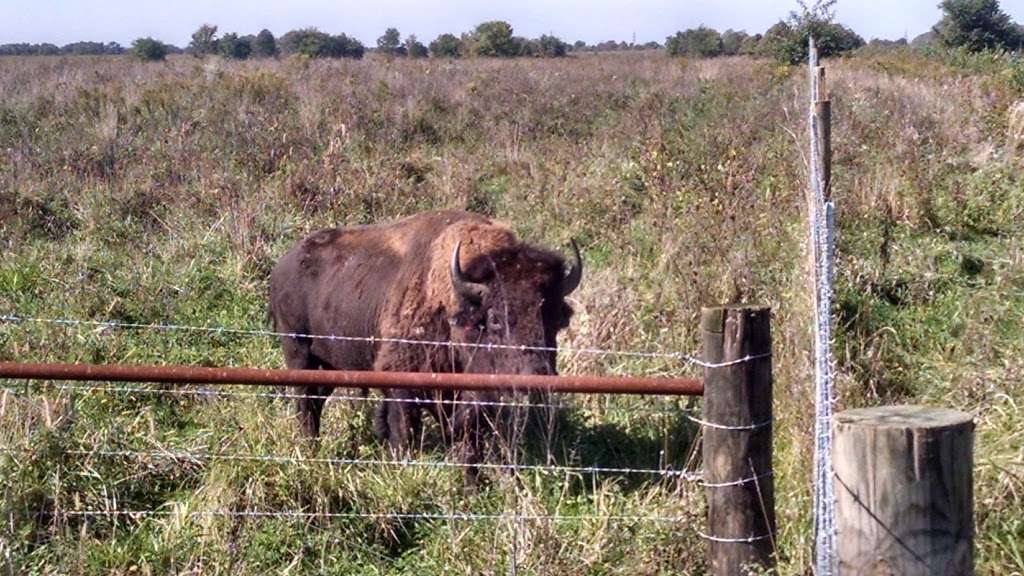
[63, 22]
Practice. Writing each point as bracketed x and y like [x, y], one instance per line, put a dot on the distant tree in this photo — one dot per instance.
[204, 41]
[925, 40]
[732, 41]
[446, 46]
[652, 45]
[316, 44]
[149, 50]
[579, 45]
[524, 47]
[265, 45]
[231, 46]
[881, 43]
[700, 42]
[552, 46]
[751, 45]
[976, 25]
[390, 43]
[307, 41]
[786, 41]
[24, 49]
[91, 48]
[414, 48]
[347, 47]
[493, 38]
[610, 45]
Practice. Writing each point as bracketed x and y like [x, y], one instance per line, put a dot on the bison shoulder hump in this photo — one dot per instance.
[312, 246]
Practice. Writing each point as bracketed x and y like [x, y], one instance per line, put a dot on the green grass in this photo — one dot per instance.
[164, 193]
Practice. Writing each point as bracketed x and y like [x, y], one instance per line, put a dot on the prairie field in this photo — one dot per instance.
[163, 194]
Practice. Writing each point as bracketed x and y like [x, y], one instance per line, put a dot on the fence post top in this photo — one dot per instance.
[904, 416]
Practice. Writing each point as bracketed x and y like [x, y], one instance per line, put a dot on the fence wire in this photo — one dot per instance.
[822, 232]
[690, 476]
[686, 359]
[178, 455]
[471, 517]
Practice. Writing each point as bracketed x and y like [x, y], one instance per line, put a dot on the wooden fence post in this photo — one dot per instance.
[904, 502]
[737, 445]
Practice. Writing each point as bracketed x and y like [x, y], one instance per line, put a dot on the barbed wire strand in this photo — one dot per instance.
[733, 540]
[689, 476]
[739, 482]
[687, 359]
[717, 426]
[685, 412]
[466, 516]
[82, 389]
[695, 476]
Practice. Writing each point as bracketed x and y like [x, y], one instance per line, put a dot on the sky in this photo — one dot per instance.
[64, 21]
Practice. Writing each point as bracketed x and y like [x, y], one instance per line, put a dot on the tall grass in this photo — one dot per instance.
[152, 193]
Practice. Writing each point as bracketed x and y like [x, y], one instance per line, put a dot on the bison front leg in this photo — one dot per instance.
[398, 421]
[310, 406]
[470, 426]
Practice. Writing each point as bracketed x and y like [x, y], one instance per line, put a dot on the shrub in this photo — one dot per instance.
[390, 43]
[786, 41]
[414, 48]
[231, 46]
[446, 46]
[149, 50]
[751, 45]
[552, 46]
[701, 42]
[493, 38]
[265, 45]
[204, 41]
[732, 42]
[976, 25]
[524, 47]
[316, 44]
[92, 48]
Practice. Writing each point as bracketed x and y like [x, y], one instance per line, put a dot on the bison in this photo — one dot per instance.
[441, 277]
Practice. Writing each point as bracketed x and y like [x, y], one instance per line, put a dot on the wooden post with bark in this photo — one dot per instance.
[822, 109]
[904, 502]
[737, 444]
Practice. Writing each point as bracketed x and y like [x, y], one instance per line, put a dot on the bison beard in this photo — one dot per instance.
[439, 277]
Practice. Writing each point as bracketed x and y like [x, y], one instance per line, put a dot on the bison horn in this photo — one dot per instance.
[572, 278]
[465, 288]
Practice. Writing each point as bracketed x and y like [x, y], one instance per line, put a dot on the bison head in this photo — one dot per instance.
[511, 298]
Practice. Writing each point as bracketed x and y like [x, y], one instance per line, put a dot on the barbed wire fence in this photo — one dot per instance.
[515, 516]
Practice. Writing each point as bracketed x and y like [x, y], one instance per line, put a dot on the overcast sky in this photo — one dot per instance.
[64, 21]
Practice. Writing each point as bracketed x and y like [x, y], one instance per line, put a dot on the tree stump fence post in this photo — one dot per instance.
[737, 439]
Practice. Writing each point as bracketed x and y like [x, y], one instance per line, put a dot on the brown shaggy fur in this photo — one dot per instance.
[393, 280]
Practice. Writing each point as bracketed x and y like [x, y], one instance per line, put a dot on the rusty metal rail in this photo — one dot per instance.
[352, 379]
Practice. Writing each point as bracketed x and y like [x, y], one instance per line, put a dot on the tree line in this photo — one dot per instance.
[75, 48]
[973, 25]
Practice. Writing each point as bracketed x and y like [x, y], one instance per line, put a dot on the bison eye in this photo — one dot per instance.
[494, 321]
